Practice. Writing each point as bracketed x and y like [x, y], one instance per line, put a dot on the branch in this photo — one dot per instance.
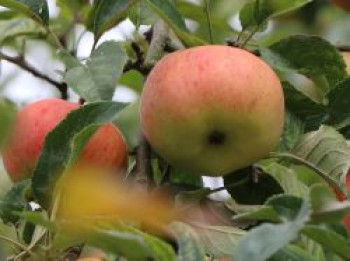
[22, 63]
[143, 174]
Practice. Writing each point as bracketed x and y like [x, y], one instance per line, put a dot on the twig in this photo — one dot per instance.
[19, 245]
[343, 48]
[22, 63]
[143, 169]
[210, 29]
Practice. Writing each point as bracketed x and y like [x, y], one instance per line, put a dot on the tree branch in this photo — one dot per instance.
[22, 63]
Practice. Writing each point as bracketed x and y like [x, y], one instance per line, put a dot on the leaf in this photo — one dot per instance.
[35, 9]
[311, 113]
[219, 241]
[292, 131]
[7, 115]
[15, 201]
[15, 27]
[106, 14]
[142, 14]
[326, 208]
[262, 213]
[328, 239]
[115, 237]
[257, 12]
[339, 106]
[326, 149]
[96, 81]
[310, 56]
[251, 186]
[128, 122]
[292, 253]
[189, 246]
[256, 245]
[167, 11]
[287, 179]
[58, 145]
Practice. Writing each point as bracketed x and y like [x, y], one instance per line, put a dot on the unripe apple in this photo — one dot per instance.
[212, 109]
[344, 4]
[106, 148]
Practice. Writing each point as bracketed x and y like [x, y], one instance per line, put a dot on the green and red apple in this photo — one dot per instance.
[212, 109]
[105, 149]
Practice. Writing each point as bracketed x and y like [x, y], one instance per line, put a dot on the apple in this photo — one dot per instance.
[344, 4]
[346, 56]
[212, 109]
[106, 148]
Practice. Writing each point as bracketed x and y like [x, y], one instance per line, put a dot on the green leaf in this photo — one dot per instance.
[326, 149]
[128, 122]
[292, 253]
[97, 79]
[339, 105]
[326, 207]
[262, 213]
[251, 186]
[142, 14]
[219, 241]
[329, 239]
[7, 115]
[292, 131]
[311, 113]
[10, 29]
[58, 145]
[256, 245]
[15, 200]
[106, 14]
[287, 179]
[310, 56]
[35, 9]
[189, 246]
[167, 11]
[257, 12]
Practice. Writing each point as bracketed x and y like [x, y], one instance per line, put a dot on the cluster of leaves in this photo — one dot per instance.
[282, 208]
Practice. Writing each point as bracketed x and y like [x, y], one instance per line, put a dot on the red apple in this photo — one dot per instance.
[106, 148]
[212, 109]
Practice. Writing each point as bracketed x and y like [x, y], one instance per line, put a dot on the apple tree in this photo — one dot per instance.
[252, 92]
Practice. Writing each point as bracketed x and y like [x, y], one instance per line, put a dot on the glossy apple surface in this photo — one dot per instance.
[212, 109]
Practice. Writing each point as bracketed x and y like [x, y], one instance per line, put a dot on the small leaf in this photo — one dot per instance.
[292, 253]
[326, 208]
[266, 213]
[339, 105]
[15, 201]
[256, 245]
[219, 241]
[257, 12]
[327, 150]
[310, 56]
[106, 14]
[287, 179]
[292, 131]
[328, 239]
[96, 81]
[10, 29]
[57, 148]
[167, 11]
[189, 246]
[35, 9]
[7, 115]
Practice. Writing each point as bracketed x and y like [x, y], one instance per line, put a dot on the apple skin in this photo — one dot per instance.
[106, 148]
[212, 109]
[344, 4]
